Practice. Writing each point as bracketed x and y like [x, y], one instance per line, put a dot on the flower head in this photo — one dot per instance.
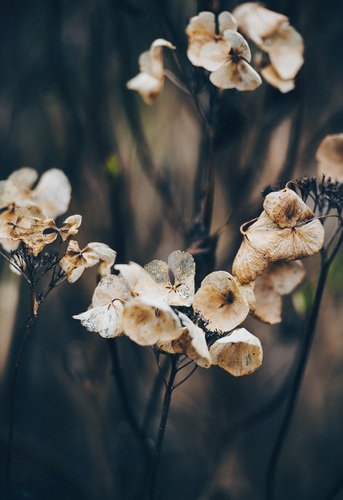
[229, 63]
[150, 81]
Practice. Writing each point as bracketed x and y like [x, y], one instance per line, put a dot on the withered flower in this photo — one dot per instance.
[150, 81]
[330, 157]
[229, 63]
[286, 208]
[148, 321]
[130, 273]
[173, 282]
[239, 353]
[76, 261]
[202, 30]
[222, 301]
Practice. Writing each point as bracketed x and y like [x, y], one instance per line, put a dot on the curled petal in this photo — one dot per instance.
[238, 44]
[272, 77]
[106, 319]
[149, 87]
[148, 321]
[239, 353]
[285, 49]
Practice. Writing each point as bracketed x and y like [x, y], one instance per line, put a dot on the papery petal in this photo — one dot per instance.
[239, 353]
[53, 193]
[330, 157]
[149, 87]
[286, 208]
[131, 273]
[148, 321]
[24, 178]
[226, 21]
[250, 78]
[238, 44]
[34, 236]
[109, 289]
[238, 75]
[8, 193]
[105, 254]
[271, 76]
[106, 319]
[201, 30]
[285, 49]
[71, 226]
[213, 55]
[182, 265]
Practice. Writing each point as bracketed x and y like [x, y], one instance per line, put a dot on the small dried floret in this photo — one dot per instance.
[286, 208]
[175, 290]
[229, 63]
[223, 301]
[280, 278]
[76, 261]
[330, 157]
[192, 343]
[148, 321]
[202, 30]
[150, 81]
[239, 353]
[131, 273]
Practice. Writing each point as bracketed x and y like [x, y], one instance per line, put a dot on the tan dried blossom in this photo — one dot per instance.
[286, 208]
[105, 314]
[222, 301]
[229, 63]
[330, 157]
[173, 282]
[76, 261]
[52, 193]
[150, 81]
[131, 273]
[202, 30]
[272, 33]
[192, 343]
[280, 278]
[148, 321]
[239, 353]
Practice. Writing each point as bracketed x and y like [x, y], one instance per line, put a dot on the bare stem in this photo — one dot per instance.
[163, 423]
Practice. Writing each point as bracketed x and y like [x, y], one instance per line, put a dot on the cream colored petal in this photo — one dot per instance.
[257, 22]
[74, 273]
[29, 209]
[9, 193]
[268, 301]
[194, 47]
[71, 226]
[286, 208]
[330, 157]
[109, 289]
[213, 55]
[248, 291]
[202, 25]
[34, 236]
[53, 193]
[148, 321]
[285, 49]
[236, 74]
[182, 265]
[271, 76]
[239, 353]
[156, 56]
[285, 276]
[149, 87]
[106, 319]
[238, 44]
[226, 21]
[250, 79]
[24, 178]
[298, 242]
[105, 254]
[131, 273]
[221, 301]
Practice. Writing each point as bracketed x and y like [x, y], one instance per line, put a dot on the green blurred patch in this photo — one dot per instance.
[302, 299]
[112, 167]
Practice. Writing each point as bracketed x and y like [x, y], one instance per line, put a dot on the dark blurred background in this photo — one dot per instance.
[63, 104]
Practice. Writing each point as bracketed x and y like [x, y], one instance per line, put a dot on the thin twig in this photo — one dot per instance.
[16, 267]
[184, 380]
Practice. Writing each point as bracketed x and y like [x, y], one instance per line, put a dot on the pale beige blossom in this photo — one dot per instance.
[239, 353]
[267, 70]
[150, 81]
[330, 157]
[76, 261]
[131, 273]
[286, 208]
[202, 30]
[229, 63]
[223, 301]
[192, 343]
[173, 282]
[148, 321]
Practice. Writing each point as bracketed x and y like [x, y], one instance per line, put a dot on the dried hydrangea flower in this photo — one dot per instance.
[239, 353]
[267, 70]
[280, 278]
[76, 261]
[131, 273]
[286, 208]
[229, 63]
[222, 301]
[52, 192]
[192, 343]
[148, 321]
[330, 157]
[173, 282]
[105, 314]
[202, 30]
[150, 81]
[272, 33]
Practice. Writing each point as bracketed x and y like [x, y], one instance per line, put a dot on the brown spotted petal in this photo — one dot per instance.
[148, 321]
[192, 343]
[105, 319]
[330, 157]
[35, 238]
[286, 208]
[221, 301]
[110, 288]
[71, 227]
[280, 278]
[239, 353]
[257, 22]
[156, 283]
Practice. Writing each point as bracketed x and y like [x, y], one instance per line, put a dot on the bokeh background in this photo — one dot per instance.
[63, 104]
